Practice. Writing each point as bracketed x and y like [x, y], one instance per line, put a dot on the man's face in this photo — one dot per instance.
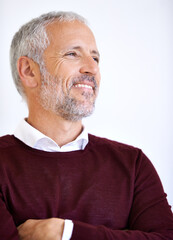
[71, 75]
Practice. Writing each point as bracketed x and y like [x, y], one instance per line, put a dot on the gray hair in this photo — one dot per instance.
[31, 40]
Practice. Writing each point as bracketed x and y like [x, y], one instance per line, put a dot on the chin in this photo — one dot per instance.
[76, 113]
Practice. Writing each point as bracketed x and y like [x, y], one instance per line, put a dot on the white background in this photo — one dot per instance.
[135, 39]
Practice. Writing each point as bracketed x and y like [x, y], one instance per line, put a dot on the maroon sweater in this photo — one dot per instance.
[109, 190]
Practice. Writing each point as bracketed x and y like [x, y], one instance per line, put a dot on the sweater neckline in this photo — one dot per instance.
[76, 153]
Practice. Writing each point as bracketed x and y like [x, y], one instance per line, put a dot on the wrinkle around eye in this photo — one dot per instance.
[58, 64]
[55, 65]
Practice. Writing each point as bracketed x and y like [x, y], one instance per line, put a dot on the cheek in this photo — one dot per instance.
[98, 79]
[68, 71]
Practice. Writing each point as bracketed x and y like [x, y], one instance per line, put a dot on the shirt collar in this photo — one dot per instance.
[35, 139]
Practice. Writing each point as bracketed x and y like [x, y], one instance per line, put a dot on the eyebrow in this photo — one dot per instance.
[80, 48]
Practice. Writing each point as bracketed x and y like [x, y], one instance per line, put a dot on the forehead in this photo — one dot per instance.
[70, 33]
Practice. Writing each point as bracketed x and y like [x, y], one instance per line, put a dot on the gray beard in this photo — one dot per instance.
[72, 110]
[65, 106]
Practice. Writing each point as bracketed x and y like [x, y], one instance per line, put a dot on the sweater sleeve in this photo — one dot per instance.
[150, 217]
[9, 230]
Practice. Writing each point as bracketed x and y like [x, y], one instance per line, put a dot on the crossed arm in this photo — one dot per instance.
[48, 229]
[52, 229]
[150, 218]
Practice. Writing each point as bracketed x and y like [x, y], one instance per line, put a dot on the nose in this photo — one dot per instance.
[89, 66]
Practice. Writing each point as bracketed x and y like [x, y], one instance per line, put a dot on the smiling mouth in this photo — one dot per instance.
[85, 83]
[79, 85]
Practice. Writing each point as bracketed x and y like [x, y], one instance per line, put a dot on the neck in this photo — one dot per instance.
[55, 127]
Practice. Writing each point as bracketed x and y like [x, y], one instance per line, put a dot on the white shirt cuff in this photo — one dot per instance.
[68, 229]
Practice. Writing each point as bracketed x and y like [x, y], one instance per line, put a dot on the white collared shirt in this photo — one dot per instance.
[35, 139]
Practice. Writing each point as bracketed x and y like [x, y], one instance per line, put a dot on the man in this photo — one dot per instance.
[56, 181]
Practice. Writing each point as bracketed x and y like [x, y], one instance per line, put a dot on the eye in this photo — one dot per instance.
[96, 59]
[72, 54]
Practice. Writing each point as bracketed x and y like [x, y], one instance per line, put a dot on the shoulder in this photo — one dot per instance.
[118, 151]
[7, 141]
[122, 154]
[112, 144]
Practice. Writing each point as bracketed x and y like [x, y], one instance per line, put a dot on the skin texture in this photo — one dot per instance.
[71, 58]
[72, 53]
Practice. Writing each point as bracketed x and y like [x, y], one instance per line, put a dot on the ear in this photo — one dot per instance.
[28, 72]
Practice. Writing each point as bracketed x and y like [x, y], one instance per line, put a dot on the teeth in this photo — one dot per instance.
[83, 85]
